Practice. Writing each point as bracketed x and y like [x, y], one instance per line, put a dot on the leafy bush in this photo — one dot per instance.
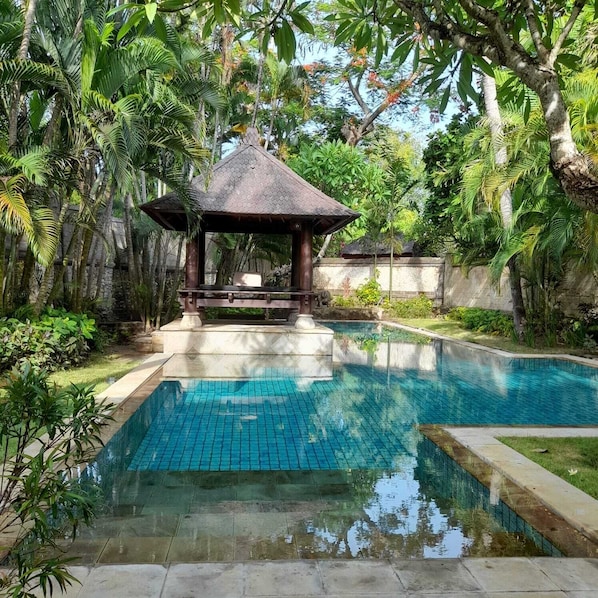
[487, 321]
[40, 500]
[418, 307]
[349, 301]
[56, 339]
[369, 293]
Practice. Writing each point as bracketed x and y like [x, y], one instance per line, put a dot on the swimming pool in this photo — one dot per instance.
[282, 467]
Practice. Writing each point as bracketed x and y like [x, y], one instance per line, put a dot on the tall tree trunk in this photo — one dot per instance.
[45, 287]
[323, 249]
[3, 259]
[506, 202]
[258, 91]
[105, 243]
[27, 274]
[519, 314]
[15, 104]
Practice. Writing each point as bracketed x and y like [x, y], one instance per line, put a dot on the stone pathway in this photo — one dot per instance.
[438, 578]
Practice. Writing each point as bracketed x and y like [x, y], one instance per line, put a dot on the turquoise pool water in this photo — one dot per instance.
[281, 467]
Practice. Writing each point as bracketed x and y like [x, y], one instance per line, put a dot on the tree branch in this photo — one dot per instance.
[445, 29]
[357, 95]
[532, 23]
[491, 19]
[575, 12]
[495, 45]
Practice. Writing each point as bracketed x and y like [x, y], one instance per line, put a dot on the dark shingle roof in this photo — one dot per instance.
[250, 190]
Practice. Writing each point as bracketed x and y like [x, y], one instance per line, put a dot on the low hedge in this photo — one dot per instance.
[416, 307]
[56, 339]
[488, 321]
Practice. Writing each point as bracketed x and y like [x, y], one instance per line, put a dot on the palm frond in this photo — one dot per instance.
[36, 73]
[14, 211]
[43, 239]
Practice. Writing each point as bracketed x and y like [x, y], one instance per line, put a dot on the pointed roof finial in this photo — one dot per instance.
[252, 137]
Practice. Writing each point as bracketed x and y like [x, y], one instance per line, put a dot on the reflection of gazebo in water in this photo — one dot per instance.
[250, 191]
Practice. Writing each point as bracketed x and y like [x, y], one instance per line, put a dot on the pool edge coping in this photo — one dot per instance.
[577, 508]
[564, 356]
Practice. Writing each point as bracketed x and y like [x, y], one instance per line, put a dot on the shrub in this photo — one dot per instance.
[488, 321]
[349, 301]
[40, 500]
[56, 339]
[418, 307]
[369, 293]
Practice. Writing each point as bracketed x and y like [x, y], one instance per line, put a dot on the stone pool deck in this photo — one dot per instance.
[420, 578]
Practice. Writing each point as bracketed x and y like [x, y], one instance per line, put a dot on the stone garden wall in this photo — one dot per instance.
[447, 285]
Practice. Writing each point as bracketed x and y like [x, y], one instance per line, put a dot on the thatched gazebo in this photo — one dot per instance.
[250, 191]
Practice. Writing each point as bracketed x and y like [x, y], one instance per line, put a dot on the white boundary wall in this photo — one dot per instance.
[411, 276]
[447, 285]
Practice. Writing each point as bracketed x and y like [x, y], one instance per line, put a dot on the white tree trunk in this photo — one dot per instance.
[505, 200]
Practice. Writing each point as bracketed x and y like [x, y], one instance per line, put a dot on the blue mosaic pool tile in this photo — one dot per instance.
[363, 417]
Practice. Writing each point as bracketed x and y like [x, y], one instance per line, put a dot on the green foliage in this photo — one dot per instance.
[487, 321]
[344, 173]
[369, 293]
[452, 53]
[215, 313]
[370, 341]
[345, 301]
[56, 339]
[418, 307]
[40, 499]
[440, 226]
[573, 459]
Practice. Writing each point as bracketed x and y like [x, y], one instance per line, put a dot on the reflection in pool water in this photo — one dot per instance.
[314, 468]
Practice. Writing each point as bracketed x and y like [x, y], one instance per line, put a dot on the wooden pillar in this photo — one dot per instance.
[191, 273]
[201, 257]
[306, 265]
[295, 259]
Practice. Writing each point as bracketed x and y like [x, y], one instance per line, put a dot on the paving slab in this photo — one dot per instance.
[286, 578]
[435, 575]
[367, 578]
[528, 595]
[213, 580]
[124, 581]
[509, 575]
[129, 383]
[570, 574]
[518, 577]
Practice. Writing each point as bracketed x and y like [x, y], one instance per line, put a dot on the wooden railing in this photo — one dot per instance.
[243, 296]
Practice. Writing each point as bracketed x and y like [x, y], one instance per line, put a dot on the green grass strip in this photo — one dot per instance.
[575, 460]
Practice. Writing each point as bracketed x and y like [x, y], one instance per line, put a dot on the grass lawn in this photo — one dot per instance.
[100, 370]
[454, 329]
[573, 459]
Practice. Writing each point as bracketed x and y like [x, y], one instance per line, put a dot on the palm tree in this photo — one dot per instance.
[544, 231]
[116, 105]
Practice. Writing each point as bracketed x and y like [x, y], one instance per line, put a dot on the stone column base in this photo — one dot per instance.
[190, 321]
[305, 322]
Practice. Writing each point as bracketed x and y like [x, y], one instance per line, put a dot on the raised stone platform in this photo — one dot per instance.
[247, 338]
[192, 366]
